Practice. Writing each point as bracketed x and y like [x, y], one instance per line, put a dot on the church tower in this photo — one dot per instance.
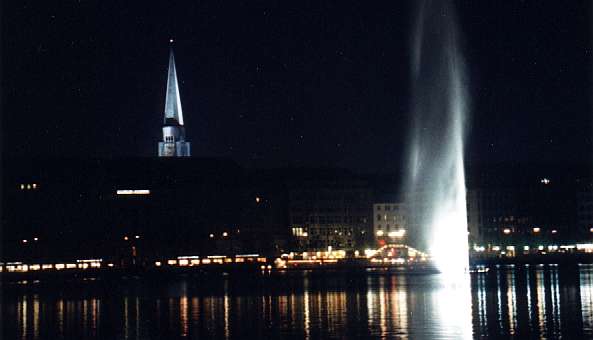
[173, 144]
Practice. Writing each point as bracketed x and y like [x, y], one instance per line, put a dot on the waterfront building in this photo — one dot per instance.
[333, 212]
[389, 223]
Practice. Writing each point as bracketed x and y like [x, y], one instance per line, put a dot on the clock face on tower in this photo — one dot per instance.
[169, 149]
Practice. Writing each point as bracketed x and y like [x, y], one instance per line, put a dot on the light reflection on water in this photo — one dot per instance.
[538, 302]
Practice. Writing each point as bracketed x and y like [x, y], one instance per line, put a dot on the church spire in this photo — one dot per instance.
[172, 100]
[173, 143]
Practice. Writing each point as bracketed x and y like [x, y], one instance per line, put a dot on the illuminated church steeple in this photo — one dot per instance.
[173, 144]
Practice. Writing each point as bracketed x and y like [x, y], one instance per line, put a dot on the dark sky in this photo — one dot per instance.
[278, 83]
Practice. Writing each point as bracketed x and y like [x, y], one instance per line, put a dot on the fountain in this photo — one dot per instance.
[435, 182]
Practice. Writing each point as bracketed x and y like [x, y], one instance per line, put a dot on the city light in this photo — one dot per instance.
[225, 234]
[379, 233]
[545, 181]
[25, 241]
[554, 231]
[133, 192]
[397, 233]
[536, 230]
[137, 236]
[506, 231]
[257, 199]
[211, 235]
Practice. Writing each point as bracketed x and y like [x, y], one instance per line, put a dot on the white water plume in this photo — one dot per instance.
[435, 183]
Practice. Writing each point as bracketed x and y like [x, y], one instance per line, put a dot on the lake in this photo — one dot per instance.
[520, 302]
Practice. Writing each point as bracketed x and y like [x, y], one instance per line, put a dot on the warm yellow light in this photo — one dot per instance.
[536, 230]
[158, 263]
[60, 266]
[379, 233]
[507, 231]
[183, 262]
[591, 229]
[34, 185]
[125, 238]
[70, 265]
[206, 261]
[171, 262]
[257, 200]
[225, 234]
[397, 233]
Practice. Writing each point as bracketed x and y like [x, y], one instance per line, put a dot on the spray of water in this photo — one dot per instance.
[436, 179]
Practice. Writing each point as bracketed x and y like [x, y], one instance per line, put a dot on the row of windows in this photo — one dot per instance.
[388, 207]
[392, 217]
[388, 226]
[328, 219]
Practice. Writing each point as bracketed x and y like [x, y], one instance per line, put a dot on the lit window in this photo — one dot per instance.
[34, 185]
[536, 230]
[506, 231]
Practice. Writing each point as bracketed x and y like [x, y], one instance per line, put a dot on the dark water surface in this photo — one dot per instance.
[511, 302]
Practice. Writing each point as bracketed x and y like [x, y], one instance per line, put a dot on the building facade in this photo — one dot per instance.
[330, 213]
[389, 223]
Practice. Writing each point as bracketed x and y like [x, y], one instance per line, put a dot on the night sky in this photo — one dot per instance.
[287, 83]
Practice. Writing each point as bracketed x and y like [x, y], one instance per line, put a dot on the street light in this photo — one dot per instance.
[506, 231]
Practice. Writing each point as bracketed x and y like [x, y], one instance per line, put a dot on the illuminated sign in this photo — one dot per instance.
[133, 192]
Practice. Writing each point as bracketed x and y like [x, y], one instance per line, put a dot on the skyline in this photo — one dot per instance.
[267, 86]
